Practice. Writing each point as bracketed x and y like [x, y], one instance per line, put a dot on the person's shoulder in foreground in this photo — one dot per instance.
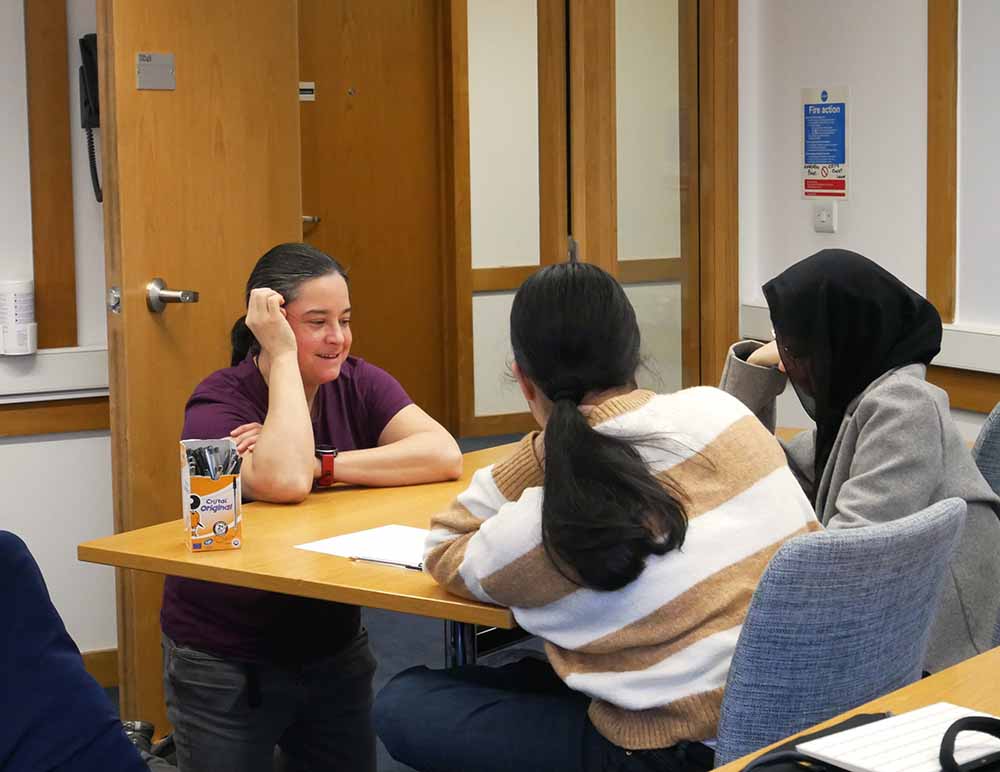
[55, 716]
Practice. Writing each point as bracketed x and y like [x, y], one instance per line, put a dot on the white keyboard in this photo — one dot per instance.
[910, 742]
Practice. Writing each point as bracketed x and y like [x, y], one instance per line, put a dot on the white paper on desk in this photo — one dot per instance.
[400, 545]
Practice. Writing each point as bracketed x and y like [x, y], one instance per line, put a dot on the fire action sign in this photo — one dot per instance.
[824, 143]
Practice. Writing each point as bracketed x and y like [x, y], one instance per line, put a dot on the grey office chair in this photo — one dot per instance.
[839, 617]
[986, 451]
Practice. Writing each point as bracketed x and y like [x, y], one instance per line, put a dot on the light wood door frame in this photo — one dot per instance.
[718, 183]
[51, 162]
[709, 147]
[709, 139]
[553, 215]
[593, 132]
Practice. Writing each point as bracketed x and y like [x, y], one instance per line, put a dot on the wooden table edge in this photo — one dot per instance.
[458, 610]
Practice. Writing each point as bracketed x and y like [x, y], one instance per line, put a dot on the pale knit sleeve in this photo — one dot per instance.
[451, 531]
[455, 552]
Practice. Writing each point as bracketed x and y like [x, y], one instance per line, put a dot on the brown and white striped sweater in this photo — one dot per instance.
[653, 655]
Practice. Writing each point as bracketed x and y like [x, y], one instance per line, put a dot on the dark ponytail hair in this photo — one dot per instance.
[282, 268]
[573, 332]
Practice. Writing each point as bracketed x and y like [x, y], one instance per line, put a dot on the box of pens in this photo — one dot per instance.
[211, 494]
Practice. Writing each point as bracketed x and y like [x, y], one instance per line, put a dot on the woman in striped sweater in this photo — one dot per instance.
[629, 535]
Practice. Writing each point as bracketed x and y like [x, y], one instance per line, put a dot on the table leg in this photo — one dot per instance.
[459, 644]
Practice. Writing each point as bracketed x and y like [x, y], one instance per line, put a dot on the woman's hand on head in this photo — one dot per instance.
[245, 437]
[765, 356]
[266, 320]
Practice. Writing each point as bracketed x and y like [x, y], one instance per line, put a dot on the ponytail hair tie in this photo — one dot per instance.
[570, 394]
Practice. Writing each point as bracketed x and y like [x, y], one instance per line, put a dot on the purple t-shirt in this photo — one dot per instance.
[254, 625]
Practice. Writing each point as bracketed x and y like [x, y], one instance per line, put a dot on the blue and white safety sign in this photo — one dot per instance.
[824, 143]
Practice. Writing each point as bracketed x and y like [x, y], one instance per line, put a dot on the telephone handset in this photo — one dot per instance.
[90, 107]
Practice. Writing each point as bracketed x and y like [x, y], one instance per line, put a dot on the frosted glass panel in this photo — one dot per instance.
[15, 187]
[496, 394]
[646, 77]
[658, 310]
[503, 132]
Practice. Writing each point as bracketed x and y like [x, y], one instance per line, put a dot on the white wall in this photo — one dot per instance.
[879, 51]
[979, 163]
[57, 487]
[57, 493]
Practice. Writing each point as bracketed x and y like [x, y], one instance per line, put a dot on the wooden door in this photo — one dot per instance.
[199, 182]
[373, 151]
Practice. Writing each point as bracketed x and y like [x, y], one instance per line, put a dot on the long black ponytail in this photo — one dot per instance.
[574, 332]
[282, 268]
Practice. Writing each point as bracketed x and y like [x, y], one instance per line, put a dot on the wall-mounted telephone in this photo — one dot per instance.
[90, 106]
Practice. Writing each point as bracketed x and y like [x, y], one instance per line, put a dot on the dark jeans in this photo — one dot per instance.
[229, 716]
[517, 717]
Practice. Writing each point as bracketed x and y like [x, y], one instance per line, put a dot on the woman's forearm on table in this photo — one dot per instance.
[430, 456]
[281, 466]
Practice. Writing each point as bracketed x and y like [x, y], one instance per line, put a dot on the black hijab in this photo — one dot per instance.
[841, 321]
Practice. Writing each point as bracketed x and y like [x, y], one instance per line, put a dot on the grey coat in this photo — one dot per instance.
[897, 452]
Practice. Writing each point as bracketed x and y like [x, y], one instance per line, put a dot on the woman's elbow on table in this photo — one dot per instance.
[446, 458]
[451, 462]
[278, 489]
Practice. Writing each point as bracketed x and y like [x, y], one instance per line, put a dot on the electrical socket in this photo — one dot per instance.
[825, 216]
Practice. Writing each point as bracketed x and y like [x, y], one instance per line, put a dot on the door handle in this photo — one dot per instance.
[157, 296]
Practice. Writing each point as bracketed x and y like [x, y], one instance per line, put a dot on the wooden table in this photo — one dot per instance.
[974, 684]
[268, 559]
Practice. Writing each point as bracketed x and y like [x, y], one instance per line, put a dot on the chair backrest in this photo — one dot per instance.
[839, 617]
[986, 451]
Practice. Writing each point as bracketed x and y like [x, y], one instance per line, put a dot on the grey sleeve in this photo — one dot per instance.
[898, 459]
[756, 387]
[801, 454]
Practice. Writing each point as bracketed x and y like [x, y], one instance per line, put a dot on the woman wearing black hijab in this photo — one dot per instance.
[855, 342]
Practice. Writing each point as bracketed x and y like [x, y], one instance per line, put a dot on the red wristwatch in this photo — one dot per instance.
[326, 455]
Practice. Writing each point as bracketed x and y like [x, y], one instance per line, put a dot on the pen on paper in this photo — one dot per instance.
[358, 559]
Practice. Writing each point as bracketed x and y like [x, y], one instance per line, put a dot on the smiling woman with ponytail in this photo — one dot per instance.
[629, 535]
